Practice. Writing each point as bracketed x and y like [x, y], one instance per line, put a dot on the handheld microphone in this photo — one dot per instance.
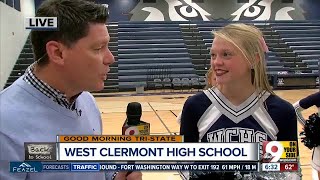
[133, 124]
[134, 112]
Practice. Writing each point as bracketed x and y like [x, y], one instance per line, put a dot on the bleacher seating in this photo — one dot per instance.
[303, 39]
[150, 53]
[176, 54]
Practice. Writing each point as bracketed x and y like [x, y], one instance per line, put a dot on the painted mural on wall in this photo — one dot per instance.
[262, 10]
[171, 10]
[185, 10]
[210, 10]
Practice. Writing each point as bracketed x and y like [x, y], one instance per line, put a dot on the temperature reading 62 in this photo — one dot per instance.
[289, 166]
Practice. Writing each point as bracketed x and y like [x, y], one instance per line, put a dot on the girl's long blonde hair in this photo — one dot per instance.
[210, 78]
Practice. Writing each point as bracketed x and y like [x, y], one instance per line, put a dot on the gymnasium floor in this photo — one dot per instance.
[161, 110]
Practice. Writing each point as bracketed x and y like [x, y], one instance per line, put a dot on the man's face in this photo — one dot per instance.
[87, 62]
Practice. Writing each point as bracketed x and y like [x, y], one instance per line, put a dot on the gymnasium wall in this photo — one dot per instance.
[182, 10]
[13, 36]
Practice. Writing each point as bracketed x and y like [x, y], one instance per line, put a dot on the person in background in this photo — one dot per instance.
[303, 104]
[52, 97]
[242, 106]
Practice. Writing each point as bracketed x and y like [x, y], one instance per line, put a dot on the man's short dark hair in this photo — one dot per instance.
[73, 16]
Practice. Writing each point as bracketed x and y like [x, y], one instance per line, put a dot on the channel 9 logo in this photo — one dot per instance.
[280, 151]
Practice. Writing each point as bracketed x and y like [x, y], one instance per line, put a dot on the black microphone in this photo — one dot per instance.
[133, 124]
[134, 112]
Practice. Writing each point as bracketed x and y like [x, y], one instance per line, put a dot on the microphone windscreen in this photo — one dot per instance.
[134, 112]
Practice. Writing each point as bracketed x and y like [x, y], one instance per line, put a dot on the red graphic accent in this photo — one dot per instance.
[274, 149]
[131, 132]
[288, 166]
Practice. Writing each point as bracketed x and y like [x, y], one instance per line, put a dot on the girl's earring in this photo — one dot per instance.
[252, 76]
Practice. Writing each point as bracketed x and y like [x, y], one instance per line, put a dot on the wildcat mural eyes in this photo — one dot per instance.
[187, 12]
[254, 10]
[178, 10]
[184, 10]
[260, 10]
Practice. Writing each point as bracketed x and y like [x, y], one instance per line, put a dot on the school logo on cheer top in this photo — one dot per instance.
[279, 151]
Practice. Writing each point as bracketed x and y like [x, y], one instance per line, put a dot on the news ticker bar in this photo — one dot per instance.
[19, 167]
[120, 138]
